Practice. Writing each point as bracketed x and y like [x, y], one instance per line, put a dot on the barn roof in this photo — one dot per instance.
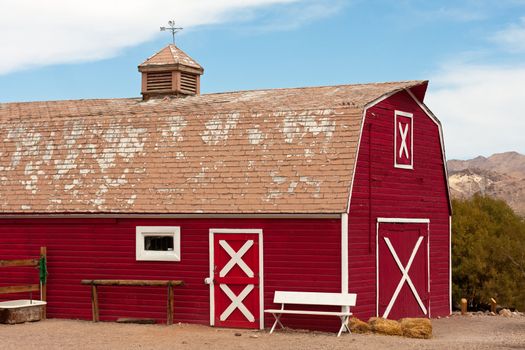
[266, 151]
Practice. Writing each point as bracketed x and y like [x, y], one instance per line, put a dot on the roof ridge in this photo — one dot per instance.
[139, 99]
[415, 82]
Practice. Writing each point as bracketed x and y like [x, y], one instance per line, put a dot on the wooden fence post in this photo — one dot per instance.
[493, 305]
[463, 306]
[43, 284]
[169, 319]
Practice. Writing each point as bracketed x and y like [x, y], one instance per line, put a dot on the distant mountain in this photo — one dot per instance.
[501, 175]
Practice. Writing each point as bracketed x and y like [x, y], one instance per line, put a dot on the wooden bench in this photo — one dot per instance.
[310, 298]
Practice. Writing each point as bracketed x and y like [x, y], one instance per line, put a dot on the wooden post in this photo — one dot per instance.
[169, 319]
[94, 302]
[493, 305]
[463, 306]
[43, 286]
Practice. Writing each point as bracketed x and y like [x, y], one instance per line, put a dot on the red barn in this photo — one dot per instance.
[238, 194]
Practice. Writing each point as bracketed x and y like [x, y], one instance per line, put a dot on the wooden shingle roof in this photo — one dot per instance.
[170, 55]
[267, 151]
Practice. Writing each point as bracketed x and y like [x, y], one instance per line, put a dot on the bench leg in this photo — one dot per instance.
[94, 303]
[344, 320]
[277, 322]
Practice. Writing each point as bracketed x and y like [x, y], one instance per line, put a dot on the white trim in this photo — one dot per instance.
[261, 270]
[428, 270]
[236, 230]
[411, 116]
[377, 268]
[344, 257]
[441, 138]
[356, 159]
[450, 261]
[261, 281]
[344, 253]
[210, 279]
[141, 254]
[237, 302]
[236, 258]
[403, 220]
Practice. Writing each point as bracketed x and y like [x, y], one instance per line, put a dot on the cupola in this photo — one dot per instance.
[170, 72]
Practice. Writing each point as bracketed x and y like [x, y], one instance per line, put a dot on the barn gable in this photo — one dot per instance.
[401, 210]
[268, 151]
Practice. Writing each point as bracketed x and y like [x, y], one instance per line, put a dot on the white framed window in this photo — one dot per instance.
[403, 140]
[158, 243]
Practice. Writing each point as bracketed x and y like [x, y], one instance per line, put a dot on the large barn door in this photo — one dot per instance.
[237, 278]
[403, 274]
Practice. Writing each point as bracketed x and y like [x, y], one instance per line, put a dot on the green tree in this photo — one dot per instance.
[488, 252]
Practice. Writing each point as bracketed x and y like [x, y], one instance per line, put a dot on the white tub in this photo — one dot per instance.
[20, 311]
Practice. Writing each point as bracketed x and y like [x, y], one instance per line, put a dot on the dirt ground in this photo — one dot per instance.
[456, 332]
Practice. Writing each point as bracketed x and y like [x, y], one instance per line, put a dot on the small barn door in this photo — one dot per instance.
[403, 270]
[236, 292]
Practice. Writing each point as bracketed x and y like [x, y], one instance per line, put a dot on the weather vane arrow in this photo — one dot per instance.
[171, 28]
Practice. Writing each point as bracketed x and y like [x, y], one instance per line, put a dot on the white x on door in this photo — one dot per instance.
[403, 275]
[236, 287]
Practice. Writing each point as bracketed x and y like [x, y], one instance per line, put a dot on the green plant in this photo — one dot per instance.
[488, 252]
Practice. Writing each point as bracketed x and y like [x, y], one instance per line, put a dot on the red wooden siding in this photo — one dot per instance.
[398, 193]
[302, 255]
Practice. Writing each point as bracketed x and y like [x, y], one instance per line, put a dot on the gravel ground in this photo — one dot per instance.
[456, 332]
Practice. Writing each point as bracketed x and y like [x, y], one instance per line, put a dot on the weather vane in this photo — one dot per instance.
[171, 28]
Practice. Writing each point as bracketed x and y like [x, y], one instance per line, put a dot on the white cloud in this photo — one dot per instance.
[453, 14]
[481, 108]
[38, 33]
[512, 37]
[306, 11]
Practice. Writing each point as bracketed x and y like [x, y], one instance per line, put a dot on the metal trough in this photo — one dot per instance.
[20, 311]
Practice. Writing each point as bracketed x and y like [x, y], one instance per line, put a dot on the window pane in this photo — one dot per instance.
[158, 243]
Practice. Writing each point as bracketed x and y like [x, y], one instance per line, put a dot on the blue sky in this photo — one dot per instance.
[473, 52]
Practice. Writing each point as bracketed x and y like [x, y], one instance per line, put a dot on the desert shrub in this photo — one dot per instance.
[488, 252]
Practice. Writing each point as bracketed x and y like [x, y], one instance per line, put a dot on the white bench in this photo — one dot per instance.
[310, 298]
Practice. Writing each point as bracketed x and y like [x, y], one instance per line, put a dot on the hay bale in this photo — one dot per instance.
[505, 313]
[358, 326]
[384, 326]
[416, 328]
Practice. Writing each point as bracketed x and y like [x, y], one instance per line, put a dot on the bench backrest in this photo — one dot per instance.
[311, 298]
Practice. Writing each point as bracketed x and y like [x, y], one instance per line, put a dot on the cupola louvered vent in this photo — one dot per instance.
[170, 72]
[188, 83]
[160, 81]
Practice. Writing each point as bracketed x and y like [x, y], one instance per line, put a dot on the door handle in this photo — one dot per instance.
[208, 280]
